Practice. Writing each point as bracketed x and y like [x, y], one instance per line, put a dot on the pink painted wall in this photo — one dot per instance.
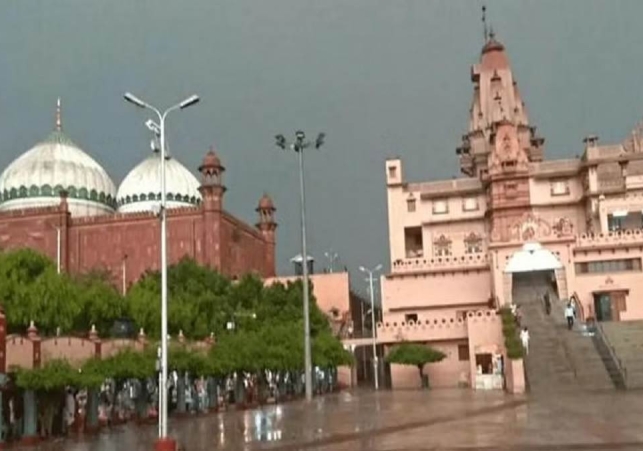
[435, 289]
[445, 374]
[485, 335]
[515, 376]
[72, 349]
[346, 376]
[331, 290]
[19, 352]
[585, 284]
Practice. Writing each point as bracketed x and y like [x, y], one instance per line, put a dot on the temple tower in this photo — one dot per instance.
[500, 142]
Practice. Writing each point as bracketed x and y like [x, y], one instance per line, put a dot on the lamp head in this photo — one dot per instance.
[377, 268]
[361, 268]
[131, 98]
[193, 99]
[300, 135]
[280, 141]
[320, 140]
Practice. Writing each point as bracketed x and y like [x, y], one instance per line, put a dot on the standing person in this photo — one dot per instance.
[524, 338]
[569, 316]
[518, 315]
[547, 303]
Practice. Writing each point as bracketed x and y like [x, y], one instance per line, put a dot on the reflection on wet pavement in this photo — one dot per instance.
[403, 420]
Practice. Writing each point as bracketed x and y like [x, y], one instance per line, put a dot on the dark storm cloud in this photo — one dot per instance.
[380, 77]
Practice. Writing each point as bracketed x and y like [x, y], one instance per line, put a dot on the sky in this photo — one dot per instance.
[381, 78]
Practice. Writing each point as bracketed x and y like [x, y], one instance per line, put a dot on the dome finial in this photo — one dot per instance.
[59, 123]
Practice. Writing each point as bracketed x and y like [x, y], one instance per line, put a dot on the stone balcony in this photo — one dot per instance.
[435, 328]
[440, 264]
[607, 240]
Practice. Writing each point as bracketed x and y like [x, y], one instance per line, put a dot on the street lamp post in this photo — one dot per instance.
[298, 146]
[164, 442]
[331, 256]
[373, 336]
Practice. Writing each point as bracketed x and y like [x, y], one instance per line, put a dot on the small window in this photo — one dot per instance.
[440, 207]
[413, 242]
[608, 266]
[410, 205]
[559, 188]
[392, 172]
[614, 223]
[470, 204]
[463, 352]
[411, 317]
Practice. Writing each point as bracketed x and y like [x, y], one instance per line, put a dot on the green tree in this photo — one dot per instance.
[49, 383]
[143, 304]
[415, 354]
[283, 304]
[328, 352]
[197, 297]
[51, 301]
[100, 303]
[19, 270]
[192, 361]
[126, 364]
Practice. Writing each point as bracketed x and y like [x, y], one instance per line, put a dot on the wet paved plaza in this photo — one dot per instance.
[402, 420]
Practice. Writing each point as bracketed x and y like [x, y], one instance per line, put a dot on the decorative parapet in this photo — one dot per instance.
[32, 351]
[625, 238]
[603, 152]
[439, 188]
[434, 328]
[555, 168]
[441, 264]
[32, 211]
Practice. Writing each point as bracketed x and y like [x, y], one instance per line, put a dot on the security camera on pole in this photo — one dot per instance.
[164, 443]
[298, 146]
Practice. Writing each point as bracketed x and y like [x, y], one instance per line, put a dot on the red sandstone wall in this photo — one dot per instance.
[103, 242]
[243, 249]
[34, 228]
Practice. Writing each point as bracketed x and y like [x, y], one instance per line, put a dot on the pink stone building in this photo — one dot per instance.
[456, 245]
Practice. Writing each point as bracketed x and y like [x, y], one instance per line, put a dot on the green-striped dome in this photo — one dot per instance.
[36, 178]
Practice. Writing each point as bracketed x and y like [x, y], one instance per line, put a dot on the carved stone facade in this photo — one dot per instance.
[587, 214]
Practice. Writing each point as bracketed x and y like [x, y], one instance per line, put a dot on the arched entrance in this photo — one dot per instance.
[533, 272]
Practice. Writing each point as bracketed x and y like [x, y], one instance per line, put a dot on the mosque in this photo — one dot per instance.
[57, 199]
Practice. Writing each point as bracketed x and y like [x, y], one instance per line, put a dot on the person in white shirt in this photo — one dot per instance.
[524, 338]
[569, 316]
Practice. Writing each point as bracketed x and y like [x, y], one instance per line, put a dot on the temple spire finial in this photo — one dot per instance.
[59, 124]
[484, 23]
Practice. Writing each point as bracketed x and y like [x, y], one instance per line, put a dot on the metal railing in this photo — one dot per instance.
[612, 352]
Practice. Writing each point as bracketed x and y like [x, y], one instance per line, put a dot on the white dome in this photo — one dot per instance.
[141, 188]
[36, 178]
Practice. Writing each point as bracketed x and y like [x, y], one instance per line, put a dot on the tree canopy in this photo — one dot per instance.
[414, 354]
[267, 333]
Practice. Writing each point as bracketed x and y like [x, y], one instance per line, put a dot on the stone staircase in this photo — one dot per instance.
[626, 340]
[558, 360]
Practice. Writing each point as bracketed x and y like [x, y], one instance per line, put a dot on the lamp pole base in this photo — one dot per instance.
[165, 444]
